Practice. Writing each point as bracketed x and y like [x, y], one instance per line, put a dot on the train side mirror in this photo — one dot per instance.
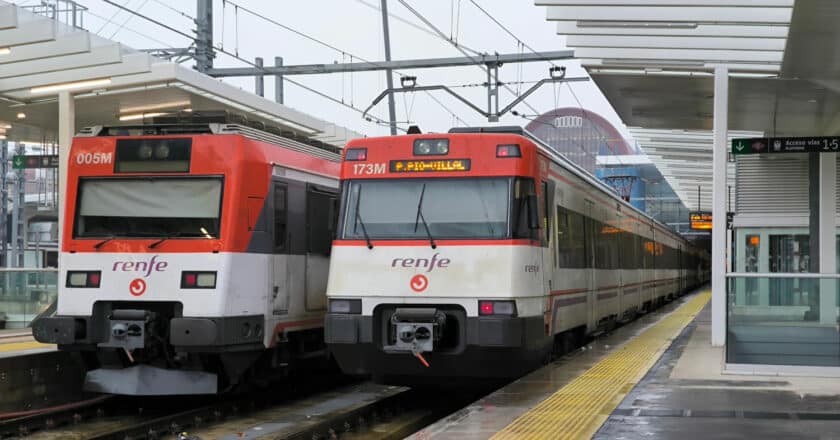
[533, 212]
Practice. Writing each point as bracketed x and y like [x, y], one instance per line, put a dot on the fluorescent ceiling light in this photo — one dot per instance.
[162, 105]
[5, 125]
[5, 51]
[139, 116]
[21, 115]
[70, 86]
[2, 136]
[636, 24]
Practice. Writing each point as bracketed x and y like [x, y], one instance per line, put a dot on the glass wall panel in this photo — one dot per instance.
[26, 294]
[802, 331]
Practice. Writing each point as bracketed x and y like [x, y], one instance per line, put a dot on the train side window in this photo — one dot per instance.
[522, 188]
[280, 217]
[571, 239]
[563, 238]
[320, 215]
[546, 213]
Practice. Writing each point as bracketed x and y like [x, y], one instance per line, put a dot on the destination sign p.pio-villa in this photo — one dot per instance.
[818, 144]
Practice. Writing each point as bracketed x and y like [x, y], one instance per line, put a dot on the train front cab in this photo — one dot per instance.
[437, 267]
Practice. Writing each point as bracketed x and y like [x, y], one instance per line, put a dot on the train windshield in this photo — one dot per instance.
[450, 208]
[149, 207]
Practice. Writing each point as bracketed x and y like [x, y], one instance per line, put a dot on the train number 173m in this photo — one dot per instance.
[369, 168]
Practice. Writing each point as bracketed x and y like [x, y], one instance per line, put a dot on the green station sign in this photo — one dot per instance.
[20, 161]
[768, 145]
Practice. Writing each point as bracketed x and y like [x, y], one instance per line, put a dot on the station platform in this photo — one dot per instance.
[657, 377]
[14, 342]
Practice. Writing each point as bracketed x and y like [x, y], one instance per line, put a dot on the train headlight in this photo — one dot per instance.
[431, 147]
[346, 306]
[80, 279]
[499, 308]
[162, 151]
[144, 151]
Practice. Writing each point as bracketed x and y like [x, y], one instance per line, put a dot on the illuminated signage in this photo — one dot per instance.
[700, 220]
[429, 165]
[813, 144]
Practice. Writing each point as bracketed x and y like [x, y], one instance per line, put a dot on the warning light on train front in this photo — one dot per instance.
[83, 278]
[355, 154]
[508, 151]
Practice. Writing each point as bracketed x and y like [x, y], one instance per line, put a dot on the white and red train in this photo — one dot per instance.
[193, 254]
[479, 253]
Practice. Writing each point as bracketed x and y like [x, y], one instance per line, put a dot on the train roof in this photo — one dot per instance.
[218, 122]
[557, 156]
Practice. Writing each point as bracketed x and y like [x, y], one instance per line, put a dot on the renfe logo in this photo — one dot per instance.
[141, 266]
[421, 263]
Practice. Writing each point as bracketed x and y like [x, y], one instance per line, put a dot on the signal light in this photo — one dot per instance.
[503, 308]
[508, 151]
[80, 279]
[198, 280]
[356, 154]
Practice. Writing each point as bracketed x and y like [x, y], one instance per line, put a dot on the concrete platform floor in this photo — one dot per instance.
[685, 397]
[487, 416]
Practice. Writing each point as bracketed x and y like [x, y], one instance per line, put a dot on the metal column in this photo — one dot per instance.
[719, 251]
[827, 241]
[19, 202]
[4, 201]
[392, 114]
[204, 35]
[259, 80]
[278, 82]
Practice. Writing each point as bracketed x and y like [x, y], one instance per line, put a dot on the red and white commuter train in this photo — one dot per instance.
[479, 253]
[193, 254]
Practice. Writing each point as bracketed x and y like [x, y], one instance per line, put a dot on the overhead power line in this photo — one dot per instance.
[456, 45]
[527, 46]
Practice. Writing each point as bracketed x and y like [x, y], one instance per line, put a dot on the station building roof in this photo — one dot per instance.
[654, 61]
[114, 84]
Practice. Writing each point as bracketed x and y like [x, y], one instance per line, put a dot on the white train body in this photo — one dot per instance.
[491, 305]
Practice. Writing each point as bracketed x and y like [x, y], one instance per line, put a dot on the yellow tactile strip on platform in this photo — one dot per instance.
[577, 410]
[21, 346]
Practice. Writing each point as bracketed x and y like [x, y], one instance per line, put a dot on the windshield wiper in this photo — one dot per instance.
[165, 237]
[359, 221]
[102, 243]
[420, 217]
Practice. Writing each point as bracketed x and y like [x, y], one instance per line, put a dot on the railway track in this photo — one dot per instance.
[328, 410]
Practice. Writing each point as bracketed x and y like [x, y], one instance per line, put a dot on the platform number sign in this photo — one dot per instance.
[818, 144]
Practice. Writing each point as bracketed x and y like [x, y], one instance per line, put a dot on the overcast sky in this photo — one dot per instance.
[355, 27]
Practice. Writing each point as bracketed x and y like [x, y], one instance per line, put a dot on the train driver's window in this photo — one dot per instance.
[280, 217]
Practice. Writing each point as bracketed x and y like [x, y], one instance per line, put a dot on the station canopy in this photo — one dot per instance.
[114, 85]
[654, 61]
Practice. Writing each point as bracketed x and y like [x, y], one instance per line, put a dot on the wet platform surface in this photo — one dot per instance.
[493, 413]
[685, 397]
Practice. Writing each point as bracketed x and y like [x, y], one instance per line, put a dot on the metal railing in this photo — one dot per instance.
[65, 11]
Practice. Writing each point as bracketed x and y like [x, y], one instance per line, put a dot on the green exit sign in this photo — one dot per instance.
[20, 162]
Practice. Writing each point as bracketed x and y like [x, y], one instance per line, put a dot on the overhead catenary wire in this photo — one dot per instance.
[325, 44]
[125, 22]
[310, 89]
[526, 45]
[477, 62]
[415, 25]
